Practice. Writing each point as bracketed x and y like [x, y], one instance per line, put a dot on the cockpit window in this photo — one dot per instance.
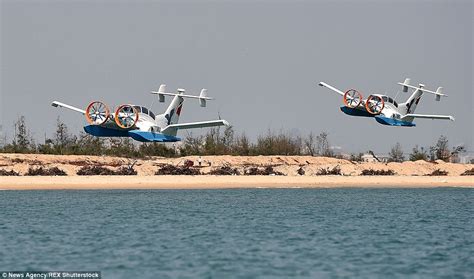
[395, 103]
[151, 114]
[137, 108]
[384, 98]
[145, 110]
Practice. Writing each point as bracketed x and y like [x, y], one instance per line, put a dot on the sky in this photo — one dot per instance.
[261, 60]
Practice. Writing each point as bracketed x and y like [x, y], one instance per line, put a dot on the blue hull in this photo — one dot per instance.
[380, 119]
[355, 112]
[137, 135]
[393, 122]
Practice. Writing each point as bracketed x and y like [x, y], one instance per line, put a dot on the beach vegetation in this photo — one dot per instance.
[437, 172]
[95, 170]
[327, 171]
[396, 153]
[377, 172]
[177, 170]
[8, 173]
[268, 170]
[224, 170]
[468, 172]
[418, 153]
[44, 171]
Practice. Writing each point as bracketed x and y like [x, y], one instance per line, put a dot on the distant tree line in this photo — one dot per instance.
[439, 151]
[216, 141]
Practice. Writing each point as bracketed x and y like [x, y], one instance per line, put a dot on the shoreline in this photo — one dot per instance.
[227, 182]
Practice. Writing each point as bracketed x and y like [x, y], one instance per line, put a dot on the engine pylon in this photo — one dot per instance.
[126, 116]
[374, 104]
[352, 98]
[97, 113]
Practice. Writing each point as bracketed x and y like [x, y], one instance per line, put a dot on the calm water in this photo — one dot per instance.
[416, 233]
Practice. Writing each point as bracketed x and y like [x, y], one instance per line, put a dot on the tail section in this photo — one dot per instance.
[412, 102]
[173, 111]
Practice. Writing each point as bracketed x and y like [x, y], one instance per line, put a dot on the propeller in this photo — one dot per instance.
[97, 113]
[374, 104]
[352, 98]
[126, 116]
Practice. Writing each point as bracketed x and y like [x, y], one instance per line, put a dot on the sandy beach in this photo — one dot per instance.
[227, 182]
[408, 174]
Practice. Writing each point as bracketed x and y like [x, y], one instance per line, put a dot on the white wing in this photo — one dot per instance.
[170, 129]
[331, 88]
[59, 104]
[411, 116]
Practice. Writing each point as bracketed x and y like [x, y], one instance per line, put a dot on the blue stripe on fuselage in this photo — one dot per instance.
[393, 122]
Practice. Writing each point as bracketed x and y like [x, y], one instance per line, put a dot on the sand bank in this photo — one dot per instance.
[226, 182]
[288, 165]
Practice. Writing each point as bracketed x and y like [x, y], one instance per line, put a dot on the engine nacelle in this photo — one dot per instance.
[352, 98]
[374, 104]
[126, 116]
[97, 113]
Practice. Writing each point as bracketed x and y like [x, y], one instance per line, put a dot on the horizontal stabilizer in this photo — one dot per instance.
[438, 93]
[62, 105]
[409, 117]
[173, 128]
[202, 97]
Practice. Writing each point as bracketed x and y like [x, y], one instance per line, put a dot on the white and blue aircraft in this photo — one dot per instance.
[139, 122]
[386, 110]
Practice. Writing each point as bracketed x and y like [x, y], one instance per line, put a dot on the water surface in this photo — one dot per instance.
[417, 233]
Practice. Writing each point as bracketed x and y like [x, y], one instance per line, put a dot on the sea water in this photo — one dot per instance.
[308, 233]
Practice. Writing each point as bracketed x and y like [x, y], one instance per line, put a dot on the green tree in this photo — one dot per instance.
[442, 149]
[323, 146]
[418, 154]
[396, 153]
[310, 145]
[22, 142]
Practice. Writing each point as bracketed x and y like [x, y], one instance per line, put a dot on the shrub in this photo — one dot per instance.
[468, 172]
[54, 171]
[334, 171]
[377, 172]
[174, 170]
[226, 170]
[126, 171]
[95, 170]
[438, 172]
[8, 173]
[268, 170]
[300, 171]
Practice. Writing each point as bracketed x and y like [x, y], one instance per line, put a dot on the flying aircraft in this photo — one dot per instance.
[140, 123]
[386, 110]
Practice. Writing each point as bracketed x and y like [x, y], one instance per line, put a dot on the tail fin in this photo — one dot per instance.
[413, 100]
[173, 111]
[162, 89]
[202, 97]
[439, 93]
[405, 83]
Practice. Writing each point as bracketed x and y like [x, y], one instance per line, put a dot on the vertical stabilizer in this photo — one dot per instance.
[173, 111]
[412, 102]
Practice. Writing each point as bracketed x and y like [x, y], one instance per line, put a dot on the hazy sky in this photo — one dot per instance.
[262, 61]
